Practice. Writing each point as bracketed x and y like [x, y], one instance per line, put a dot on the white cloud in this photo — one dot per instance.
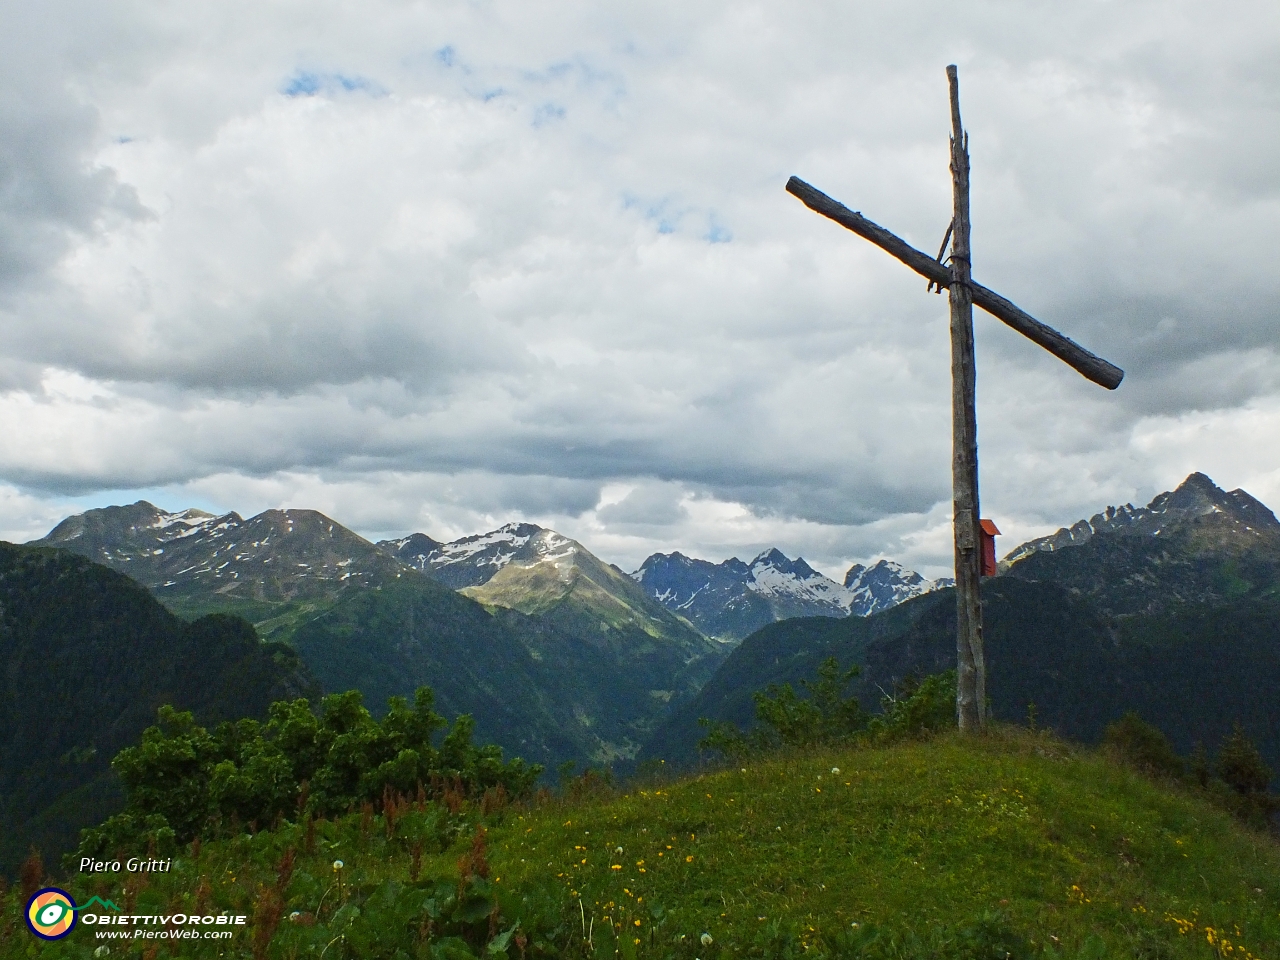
[443, 265]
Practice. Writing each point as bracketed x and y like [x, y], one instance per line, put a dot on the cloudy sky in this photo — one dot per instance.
[440, 265]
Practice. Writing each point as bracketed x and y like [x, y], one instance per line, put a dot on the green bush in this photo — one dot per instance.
[784, 719]
[1241, 766]
[826, 716]
[1143, 746]
[1238, 781]
[917, 707]
[183, 782]
[1245, 779]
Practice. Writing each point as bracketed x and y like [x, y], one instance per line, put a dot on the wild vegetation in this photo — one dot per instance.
[185, 783]
[827, 716]
[873, 837]
[840, 816]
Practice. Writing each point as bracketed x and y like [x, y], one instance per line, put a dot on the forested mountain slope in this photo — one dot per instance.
[89, 656]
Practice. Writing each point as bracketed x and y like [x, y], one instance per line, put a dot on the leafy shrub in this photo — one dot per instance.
[827, 716]
[784, 719]
[1241, 766]
[130, 830]
[1143, 746]
[183, 782]
[1238, 781]
[917, 707]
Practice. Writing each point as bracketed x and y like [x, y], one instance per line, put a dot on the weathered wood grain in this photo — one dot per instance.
[1089, 365]
[971, 672]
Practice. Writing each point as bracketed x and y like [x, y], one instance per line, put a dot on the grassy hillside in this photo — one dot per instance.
[622, 659]
[1015, 845]
[585, 598]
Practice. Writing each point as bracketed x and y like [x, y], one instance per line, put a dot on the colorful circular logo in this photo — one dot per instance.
[51, 913]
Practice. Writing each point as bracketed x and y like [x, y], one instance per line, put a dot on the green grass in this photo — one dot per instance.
[913, 836]
[273, 620]
[925, 845]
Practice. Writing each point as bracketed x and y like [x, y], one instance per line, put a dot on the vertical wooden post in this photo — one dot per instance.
[971, 694]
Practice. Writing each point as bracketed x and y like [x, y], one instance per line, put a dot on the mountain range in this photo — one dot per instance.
[282, 566]
[1196, 498]
[725, 601]
[557, 654]
[732, 599]
[542, 573]
[1172, 611]
[1197, 544]
[273, 568]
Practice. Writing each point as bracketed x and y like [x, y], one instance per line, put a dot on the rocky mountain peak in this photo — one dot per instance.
[1198, 496]
[775, 560]
[136, 523]
[411, 548]
[731, 599]
[884, 584]
[1193, 500]
[473, 560]
[275, 556]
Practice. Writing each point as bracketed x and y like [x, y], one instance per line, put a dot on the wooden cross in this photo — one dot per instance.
[963, 292]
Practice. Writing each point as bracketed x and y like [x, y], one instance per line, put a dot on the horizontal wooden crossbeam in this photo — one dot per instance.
[1089, 365]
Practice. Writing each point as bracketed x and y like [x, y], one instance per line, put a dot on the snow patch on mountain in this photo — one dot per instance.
[551, 547]
[489, 546]
[732, 599]
[474, 560]
[773, 574]
[276, 555]
[865, 590]
[885, 584]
